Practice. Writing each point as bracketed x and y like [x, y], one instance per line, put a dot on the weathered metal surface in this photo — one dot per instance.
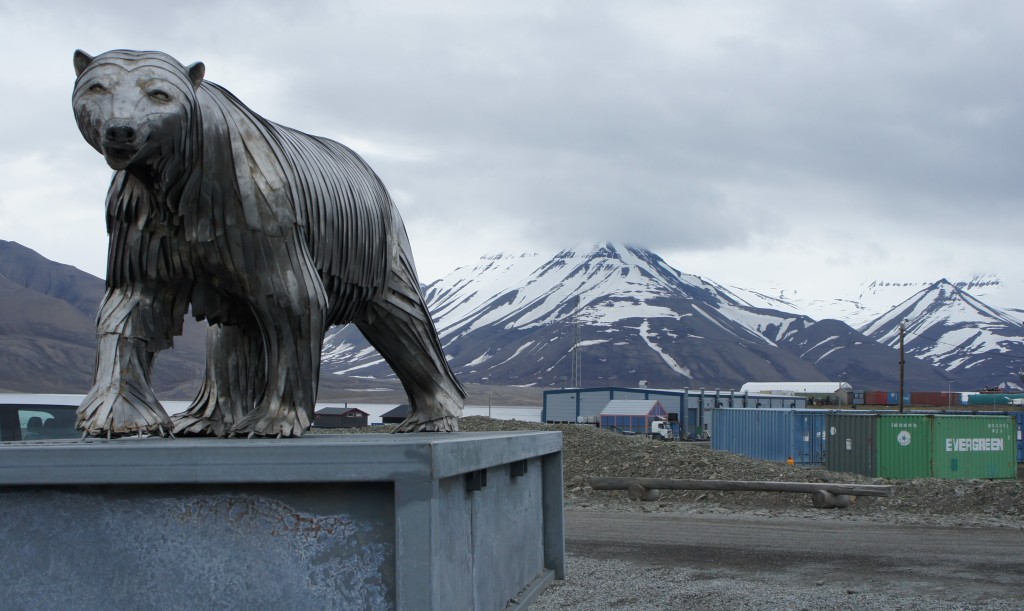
[268, 233]
[227, 548]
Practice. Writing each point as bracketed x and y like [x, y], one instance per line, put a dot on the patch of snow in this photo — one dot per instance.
[644, 330]
[486, 356]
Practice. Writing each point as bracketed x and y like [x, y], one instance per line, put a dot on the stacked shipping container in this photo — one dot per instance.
[907, 446]
[920, 399]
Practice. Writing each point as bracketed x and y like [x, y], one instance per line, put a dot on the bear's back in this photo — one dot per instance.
[287, 180]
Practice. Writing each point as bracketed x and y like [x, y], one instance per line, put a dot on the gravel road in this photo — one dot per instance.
[637, 560]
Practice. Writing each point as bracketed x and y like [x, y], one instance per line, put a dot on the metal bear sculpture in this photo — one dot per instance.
[270, 234]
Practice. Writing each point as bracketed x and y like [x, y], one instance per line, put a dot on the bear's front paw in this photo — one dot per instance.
[109, 414]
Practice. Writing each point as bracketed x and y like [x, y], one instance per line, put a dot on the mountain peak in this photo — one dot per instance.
[954, 330]
[635, 316]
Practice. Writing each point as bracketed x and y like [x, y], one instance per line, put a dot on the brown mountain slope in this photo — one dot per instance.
[47, 330]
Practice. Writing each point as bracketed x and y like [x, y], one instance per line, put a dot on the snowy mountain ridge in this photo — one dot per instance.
[517, 319]
[947, 326]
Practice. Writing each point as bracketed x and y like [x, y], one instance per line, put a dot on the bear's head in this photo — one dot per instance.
[136, 107]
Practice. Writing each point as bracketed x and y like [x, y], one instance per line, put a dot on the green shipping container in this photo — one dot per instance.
[904, 446]
[912, 446]
[850, 447]
[982, 447]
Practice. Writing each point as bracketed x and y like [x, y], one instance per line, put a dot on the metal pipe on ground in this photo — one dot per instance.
[824, 495]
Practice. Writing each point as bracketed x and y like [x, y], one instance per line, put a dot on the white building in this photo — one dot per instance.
[821, 393]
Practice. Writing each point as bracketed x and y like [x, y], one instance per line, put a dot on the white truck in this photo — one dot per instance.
[661, 429]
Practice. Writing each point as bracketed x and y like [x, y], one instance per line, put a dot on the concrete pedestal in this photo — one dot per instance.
[418, 521]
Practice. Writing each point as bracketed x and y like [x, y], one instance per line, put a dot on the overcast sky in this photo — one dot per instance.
[805, 144]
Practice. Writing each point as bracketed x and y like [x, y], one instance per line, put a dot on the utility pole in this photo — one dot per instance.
[577, 349]
[902, 361]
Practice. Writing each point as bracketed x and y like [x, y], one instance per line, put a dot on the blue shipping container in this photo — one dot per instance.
[893, 398]
[771, 434]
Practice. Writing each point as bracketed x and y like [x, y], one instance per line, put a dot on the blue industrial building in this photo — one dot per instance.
[692, 407]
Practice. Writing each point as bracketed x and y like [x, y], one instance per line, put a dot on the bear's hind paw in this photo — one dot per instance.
[444, 424]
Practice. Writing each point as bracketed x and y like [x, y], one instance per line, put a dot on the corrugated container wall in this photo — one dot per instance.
[876, 397]
[904, 446]
[935, 399]
[851, 443]
[968, 447]
[771, 434]
[810, 428]
[1019, 417]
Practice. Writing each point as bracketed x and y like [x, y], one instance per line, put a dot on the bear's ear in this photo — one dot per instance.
[82, 61]
[196, 72]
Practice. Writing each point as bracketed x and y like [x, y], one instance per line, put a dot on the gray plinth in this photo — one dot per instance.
[426, 521]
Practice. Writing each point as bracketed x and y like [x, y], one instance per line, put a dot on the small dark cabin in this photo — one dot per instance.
[396, 415]
[340, 418]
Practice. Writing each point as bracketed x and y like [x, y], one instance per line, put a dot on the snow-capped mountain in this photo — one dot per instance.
[977, 344]
[872, 299]
[515, 319]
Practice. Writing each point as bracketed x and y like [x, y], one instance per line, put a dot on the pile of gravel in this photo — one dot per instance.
[592, 452]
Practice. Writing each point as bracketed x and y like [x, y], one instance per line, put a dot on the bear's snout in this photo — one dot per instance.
[119, 143]
[119, 132]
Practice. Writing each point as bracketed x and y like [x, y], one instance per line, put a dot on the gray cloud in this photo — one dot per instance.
[686, 127]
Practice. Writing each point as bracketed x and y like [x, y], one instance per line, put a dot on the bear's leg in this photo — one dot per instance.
[291, 308]
[234, 376]
[129, 335]
[400, 328]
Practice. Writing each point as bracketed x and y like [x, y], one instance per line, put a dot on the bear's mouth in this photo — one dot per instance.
[118, 157]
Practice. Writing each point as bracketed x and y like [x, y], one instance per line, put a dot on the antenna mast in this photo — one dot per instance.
[577, 356]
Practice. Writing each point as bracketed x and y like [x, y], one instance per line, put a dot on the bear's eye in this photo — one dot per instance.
[160, 95]
[97, 88]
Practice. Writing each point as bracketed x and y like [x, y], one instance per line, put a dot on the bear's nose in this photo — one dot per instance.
[120, 132]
